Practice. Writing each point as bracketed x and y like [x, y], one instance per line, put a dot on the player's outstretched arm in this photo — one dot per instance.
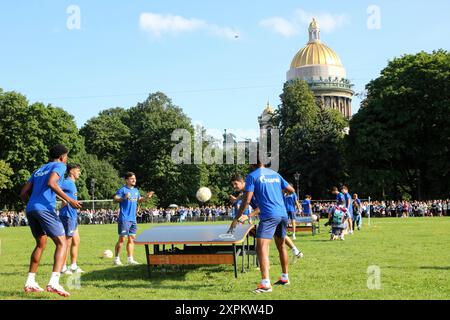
[149, 195]
[244, 205]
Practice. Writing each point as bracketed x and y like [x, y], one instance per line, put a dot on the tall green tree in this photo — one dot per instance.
[311, 140]
[5, 173]
[106, 136]
[402, 131]
[27, 132]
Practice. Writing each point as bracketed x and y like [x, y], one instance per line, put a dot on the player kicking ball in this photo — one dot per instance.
[128, 196]
[40, 195]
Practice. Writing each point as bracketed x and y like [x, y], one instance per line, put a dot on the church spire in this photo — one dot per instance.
[314, 31]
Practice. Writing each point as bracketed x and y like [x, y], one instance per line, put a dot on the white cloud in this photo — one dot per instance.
[289, 27]
[328, 22]
[159, 24]
[279, 25]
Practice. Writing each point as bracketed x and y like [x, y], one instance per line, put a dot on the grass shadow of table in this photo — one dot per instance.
[122, 275]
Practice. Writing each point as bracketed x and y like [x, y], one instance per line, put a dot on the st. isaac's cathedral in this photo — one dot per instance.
[321, 68]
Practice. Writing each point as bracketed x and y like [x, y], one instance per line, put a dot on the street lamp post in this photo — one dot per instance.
[93, 193]
[297, 179]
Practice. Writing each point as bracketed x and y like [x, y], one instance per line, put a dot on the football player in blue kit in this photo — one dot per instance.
[267, 186]
[128, 196]
[69, 219]
[40, 195]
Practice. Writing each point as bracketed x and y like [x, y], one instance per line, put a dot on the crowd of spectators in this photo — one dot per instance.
[223, 213]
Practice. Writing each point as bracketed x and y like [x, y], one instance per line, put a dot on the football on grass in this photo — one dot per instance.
[203, 194]
[107, 254]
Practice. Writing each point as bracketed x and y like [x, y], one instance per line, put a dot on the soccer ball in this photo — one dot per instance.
[203, 194]
[107, 254]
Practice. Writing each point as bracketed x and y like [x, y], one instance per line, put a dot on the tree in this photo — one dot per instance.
[106, 136]
[310, 140]
[5, 173]
[107, 180]
[148, 152]
[27, 132]
[402, 131]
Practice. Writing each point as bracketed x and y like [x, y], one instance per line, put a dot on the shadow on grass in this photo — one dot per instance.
[435, 268]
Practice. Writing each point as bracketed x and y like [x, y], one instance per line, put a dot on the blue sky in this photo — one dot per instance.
[218, 60]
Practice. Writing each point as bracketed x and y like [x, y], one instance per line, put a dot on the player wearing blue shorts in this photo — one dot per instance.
[238, 184]
[292, 207]
[348, 204]
[40, 195]
[267, 186]
[357, 212]
[69, 219]
[128, 196]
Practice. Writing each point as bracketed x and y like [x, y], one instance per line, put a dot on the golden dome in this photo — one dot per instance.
[268, 109]
[315, 53]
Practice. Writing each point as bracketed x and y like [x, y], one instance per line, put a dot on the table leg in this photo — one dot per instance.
[147, 253]
[234, 260]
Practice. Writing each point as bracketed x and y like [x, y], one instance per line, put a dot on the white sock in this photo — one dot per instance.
[31, 279]
[117, 258]
[265, 282]
[295, 251]
[54, 280]
[73, 266]
[64, 269]
[130, 258]
[284, 276]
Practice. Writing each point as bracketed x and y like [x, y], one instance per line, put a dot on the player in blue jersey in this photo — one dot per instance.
[348, 204]
[357, 212]
[292, 207]
[40, 195]
[267, 186]
[306, 206]
[69, 219]
[238, 184]
[128, 196]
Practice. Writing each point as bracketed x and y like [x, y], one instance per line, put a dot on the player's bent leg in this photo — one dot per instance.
[65, 270]
[117, 250]
[284, 260]
[74, 252]
[262, 248]
[41, 243]
[31, 285]
[130, 250]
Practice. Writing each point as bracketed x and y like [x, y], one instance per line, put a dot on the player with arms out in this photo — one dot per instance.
[128, 196]
[40, 195]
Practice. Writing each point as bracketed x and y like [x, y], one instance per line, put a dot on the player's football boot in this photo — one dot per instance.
[58, 290]
[282, 282]
[32, 288]
[262, 289]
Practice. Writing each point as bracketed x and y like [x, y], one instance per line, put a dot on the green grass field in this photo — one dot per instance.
[413, 256]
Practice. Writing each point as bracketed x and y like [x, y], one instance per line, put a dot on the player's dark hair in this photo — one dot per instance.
[57, 151]
[236, 177]
[129, 174]
[334, 189]
[73, 166]
[307, 196]
[344, 188]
